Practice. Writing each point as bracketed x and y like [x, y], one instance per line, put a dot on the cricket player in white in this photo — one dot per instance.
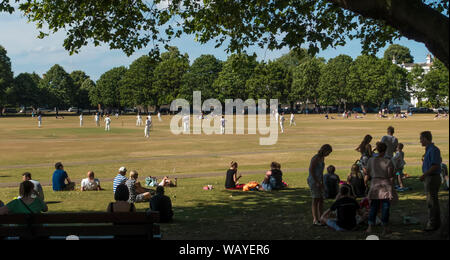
[148, 123]
[97, 119]
[292, 122]
[159, 117]
[81, 120]
[277, 116]
[149, 117]
[39, 120]
[282, 122]
[222, 125]
[107, 123]
[186, 120]
[139, 120]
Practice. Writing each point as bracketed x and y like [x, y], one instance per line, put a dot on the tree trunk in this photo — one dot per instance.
[412, 18]
[363, 108]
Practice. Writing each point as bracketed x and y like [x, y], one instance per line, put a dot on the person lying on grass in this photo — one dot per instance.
[166, 182]
[346, 209]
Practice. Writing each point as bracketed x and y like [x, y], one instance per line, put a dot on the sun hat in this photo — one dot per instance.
[122, 169]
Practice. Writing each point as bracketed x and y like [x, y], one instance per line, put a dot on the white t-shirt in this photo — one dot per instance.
[223, 122]
[108, 120]
[148, 122]
[88, 185]
[391, 143]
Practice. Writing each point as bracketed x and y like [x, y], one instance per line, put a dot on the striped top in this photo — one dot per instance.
[119, 179]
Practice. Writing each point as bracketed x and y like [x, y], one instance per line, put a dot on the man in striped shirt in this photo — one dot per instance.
[120, 178]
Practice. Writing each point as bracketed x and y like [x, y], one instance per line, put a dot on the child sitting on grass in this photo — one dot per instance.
[331, 183]
[356, 180]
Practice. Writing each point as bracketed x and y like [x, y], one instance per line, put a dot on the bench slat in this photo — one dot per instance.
[98, 217]
[123, 230]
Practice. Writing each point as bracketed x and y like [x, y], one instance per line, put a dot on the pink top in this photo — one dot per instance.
[381, 170]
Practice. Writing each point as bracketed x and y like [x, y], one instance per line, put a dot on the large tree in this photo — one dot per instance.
[333, 86]
[59, 86]
[305, 82]
[168, 76]
[25, 91]
[137, 85]
[200, 77]
[435, 84]
[129, 25]
[81, 98]
[231, 81]
[108, 87]
[400, 53]
[6, 76]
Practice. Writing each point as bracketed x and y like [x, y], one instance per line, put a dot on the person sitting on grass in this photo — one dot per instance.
[163, 204]
[121, 197]
[232, 180]
[27, 204]
[274, 178]
[331, 183]
[59, 178]
[137, 192]
[356, 180]
[346, 209]
[120, 178]
[37, 192]
[90, 183]
[166, 182]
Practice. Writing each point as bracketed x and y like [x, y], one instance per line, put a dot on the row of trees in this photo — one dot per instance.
[294, 77]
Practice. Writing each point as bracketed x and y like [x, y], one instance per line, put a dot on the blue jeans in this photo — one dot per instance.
[385, 208]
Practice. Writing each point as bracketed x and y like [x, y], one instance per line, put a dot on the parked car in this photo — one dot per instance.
[72, 109]
[413, 110]
[26, 110]
[425, 110]
[357, 110]
[10, 110]
[44, 109]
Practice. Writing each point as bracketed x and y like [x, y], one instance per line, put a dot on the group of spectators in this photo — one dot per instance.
[127, 191]
[373, 179]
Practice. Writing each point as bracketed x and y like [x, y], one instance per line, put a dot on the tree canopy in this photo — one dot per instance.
[321, 24]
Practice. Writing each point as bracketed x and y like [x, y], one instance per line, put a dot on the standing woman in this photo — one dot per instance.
[362, 147]
[315, 181]
[381, 172]
[232, 180]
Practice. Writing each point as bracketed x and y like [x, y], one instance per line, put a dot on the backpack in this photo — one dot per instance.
[251, 186]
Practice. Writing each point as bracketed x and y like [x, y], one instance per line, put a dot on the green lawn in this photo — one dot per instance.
[215, 214]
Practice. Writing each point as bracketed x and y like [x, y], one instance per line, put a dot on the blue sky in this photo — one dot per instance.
[29, 54]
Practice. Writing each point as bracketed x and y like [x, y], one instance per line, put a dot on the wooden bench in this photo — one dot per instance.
[138, 225]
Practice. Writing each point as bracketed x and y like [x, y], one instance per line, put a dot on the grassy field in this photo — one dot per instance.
[199, 160]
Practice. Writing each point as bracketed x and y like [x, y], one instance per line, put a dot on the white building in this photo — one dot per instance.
[426, 66]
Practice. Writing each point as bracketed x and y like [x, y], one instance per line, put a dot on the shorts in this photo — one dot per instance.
[333, 224]
[139, 198]
[316, 192]
[399, 172]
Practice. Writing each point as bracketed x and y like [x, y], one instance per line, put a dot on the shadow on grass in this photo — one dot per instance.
[285, 214]
[53, 202]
